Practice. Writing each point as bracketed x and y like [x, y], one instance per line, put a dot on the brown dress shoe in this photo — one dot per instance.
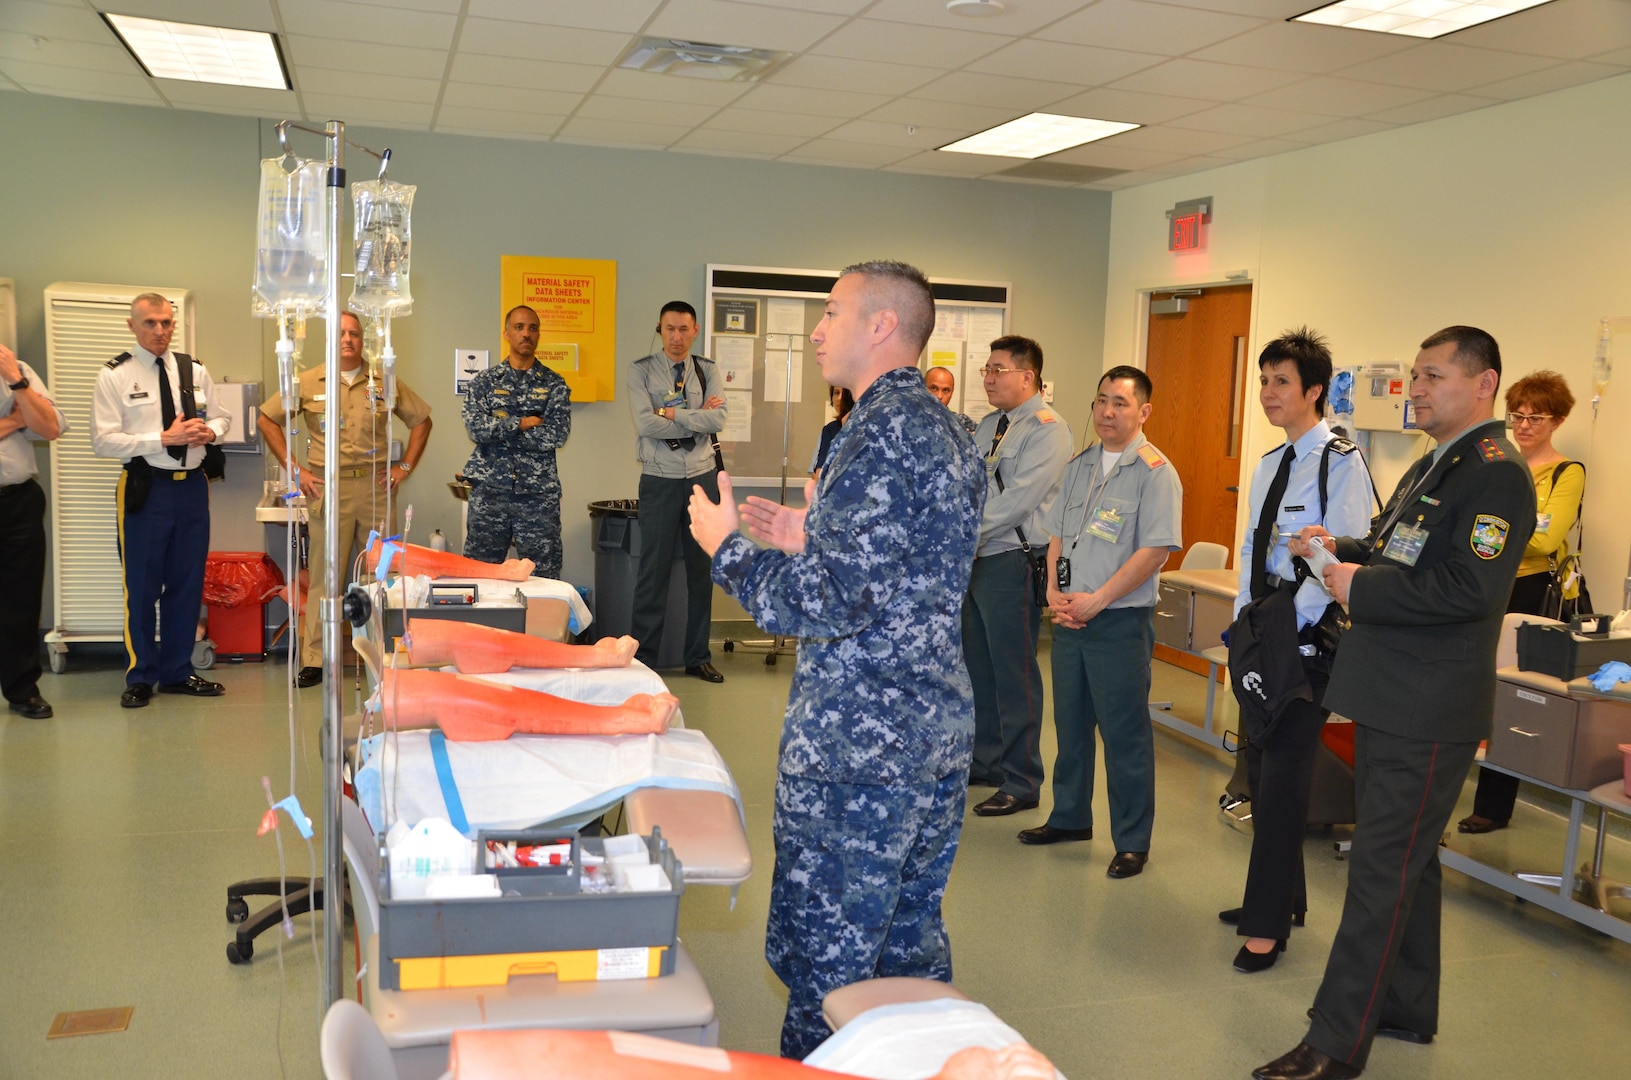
[1002, 804]
[1305, 1063]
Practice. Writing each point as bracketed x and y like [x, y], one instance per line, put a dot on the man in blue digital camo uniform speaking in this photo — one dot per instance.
[880, 721]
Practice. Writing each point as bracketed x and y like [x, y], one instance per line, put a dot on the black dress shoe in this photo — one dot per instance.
[1251, 962]
[1305, 1063]
[1232, 917]
[1472, 823]
[1047, 834]
[136, 696]
[193, 687]
[705, 672]
[1127, 864]
[35, 708]
[1388, 1030]
[1002, 804]
[308, 676]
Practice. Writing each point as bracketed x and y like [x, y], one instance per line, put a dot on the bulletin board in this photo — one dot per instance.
[576, 302]
[756, 324]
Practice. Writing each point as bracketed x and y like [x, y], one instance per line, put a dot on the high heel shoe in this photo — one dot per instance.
[1250, 962]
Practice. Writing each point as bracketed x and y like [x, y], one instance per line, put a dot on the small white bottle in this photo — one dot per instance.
[438, 542]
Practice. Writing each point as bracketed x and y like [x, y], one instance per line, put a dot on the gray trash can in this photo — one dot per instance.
[615, 524]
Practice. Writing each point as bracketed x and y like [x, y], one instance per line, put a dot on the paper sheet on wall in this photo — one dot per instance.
[738, 416]
[985, 325]
[467, 364]
[780, 384]
[783, 316]
[951, 324]
[734, 355]
[975, 405]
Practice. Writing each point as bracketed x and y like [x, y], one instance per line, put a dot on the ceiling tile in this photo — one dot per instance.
[65, 52]
[620, 82]
[238, 98]
[646, 112]
[830, 7]
[875, 39]
[241, 14]
[1258, 148]
[1122, 181]
[1178, 140]
[1250, 120]
[758, 143]
[802, 99]
[505, 72]
[1202, 79]
[1266, 9]
[366, 22]
[754, 122]
[877, 131]
[1338, 97]
[363, 56]
[972, 88]
[1622, 57]
[1145, 27]
[726, 23]
[1447, 67]
[626, 16]
[1113, 157]
[316, 80]
[1064, 62]
[525, 41]
[410, 114]
[509, 99]
[1561, 77]
[50, 79]
[1129, 107]
[620, 132]
[1019, 19]
[1338, 130]
[840, 73]
[938, 164]
[944, 114]
[73, 23]
[1433, 108]
[833, 151]
[1303, 47]
[515, 125]
[1591, 27]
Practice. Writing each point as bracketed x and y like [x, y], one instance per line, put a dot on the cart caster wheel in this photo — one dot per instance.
[204, 655]
[239, 955]
[237, 911]
[730, 646]
[59, 662]
[770, 660]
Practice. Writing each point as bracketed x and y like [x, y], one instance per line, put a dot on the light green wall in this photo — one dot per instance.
[133, 195]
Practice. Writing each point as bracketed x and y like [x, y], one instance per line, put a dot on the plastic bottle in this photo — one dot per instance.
[438, 542]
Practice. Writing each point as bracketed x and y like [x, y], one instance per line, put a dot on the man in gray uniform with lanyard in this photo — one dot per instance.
[1426, 589]
[1118, 516]
[1026, 445]
[675, 400]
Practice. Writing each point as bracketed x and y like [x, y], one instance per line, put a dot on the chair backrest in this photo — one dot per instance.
[1506, 649]
[352, 1046]
[362, 856]
[1204, 555]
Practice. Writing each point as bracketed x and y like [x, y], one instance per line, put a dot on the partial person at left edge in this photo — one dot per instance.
[155, 409]
[27, 415]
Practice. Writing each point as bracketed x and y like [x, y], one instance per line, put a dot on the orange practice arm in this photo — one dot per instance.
[476, 710]
[484, 650]
[414, 561]
[620, 1055]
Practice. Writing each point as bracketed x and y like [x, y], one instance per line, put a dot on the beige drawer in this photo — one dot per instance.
[1212, 616]
[1173, 614]
[1573, 744]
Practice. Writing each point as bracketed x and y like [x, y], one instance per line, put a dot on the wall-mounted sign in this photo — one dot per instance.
[576, 302]
[1185, 223]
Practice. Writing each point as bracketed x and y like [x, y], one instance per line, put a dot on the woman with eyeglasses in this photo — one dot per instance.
[1536, 406]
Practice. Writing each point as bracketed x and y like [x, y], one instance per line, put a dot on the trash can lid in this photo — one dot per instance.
[616, 508]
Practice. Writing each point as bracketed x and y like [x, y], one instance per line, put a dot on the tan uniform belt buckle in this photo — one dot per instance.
[180, 474]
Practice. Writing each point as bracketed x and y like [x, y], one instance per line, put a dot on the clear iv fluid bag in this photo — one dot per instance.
[383, 211]
[291, 248]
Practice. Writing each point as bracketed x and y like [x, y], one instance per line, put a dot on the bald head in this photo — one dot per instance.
[941, 382]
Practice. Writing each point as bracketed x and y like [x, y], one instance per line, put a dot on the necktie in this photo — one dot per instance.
[167, 410]
[679, 378]
[1263, 538]
[1002, 429]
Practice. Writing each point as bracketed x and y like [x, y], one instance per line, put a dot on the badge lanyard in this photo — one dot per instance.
[1094, 493]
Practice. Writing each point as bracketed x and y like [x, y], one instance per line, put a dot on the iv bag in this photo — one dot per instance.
[291, 256]
[383, 210]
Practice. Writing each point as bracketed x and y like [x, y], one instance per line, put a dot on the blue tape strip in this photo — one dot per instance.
[444, 777]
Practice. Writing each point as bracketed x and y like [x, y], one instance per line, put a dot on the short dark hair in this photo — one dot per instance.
[678, 306]
[516, 308]
[1310, 353]
[1026, 353]
[903, 289]
[1475, 350]
[846, 402]
[1544, 390]
[1142, 387]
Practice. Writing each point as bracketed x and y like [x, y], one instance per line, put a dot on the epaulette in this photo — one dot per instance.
[1339, 445]
[1152, 457]
[117, 360]
[1490, 450]
[1043, 416]
[1276, 450]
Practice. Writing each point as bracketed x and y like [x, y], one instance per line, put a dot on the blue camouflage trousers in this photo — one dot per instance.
[529, 520]
[860, 873]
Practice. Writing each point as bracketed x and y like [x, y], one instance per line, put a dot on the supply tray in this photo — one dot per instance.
[1562, 654]
[543, 910]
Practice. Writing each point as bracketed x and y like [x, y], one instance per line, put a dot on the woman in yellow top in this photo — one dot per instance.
[1536, 406]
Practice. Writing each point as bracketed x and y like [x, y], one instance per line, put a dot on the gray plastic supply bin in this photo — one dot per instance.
[616, 527]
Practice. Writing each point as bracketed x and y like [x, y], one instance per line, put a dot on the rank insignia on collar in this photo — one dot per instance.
[1490, 450]
[1489, 536]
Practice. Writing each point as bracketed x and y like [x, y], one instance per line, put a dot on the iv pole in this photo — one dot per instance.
[329, 613]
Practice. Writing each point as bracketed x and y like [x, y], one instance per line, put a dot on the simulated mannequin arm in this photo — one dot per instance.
[414, 561]
[475, 710]
[484, 650]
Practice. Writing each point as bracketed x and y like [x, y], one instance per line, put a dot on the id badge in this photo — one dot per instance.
[1107, 523]
[1543, 522]
[675, 400]
[1405, 545]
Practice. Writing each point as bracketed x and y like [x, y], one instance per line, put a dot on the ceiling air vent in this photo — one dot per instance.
[700, 60]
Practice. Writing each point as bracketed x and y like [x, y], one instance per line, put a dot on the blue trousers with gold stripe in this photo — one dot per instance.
[163, 547]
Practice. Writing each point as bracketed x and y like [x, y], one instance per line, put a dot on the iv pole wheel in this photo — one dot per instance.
[204, 654]
[59, 661]
[237, 954]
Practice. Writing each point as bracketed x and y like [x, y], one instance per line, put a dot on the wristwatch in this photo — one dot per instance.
[20, 384]
[404, 466]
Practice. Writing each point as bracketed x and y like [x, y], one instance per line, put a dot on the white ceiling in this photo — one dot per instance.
[873, 84]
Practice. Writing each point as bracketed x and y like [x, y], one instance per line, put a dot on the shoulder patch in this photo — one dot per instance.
[1490, 450]
[1152, 457]
[1043, 416]
[1489, 535]
[117, 360]
[1339, 445]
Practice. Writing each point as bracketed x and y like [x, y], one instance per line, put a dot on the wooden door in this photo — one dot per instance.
[1202, 379]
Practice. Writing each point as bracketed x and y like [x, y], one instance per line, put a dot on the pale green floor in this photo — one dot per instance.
[119, 831]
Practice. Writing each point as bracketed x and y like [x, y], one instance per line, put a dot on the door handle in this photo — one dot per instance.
[1525, 734]
[1233, 488]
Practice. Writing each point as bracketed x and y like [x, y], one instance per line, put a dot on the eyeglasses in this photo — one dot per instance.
[1520, 419]
[991, 371]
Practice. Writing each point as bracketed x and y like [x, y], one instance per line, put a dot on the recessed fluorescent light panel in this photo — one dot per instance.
[1415, 18]
[210, 54]
[1037, 135]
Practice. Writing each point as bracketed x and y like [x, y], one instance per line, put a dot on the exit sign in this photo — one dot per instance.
[1185, 223]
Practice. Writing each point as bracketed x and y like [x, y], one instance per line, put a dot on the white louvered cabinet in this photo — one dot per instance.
[85, 327]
